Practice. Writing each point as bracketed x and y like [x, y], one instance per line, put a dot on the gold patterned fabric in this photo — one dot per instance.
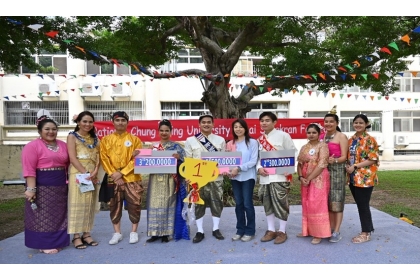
[81, 206]
[117, 154]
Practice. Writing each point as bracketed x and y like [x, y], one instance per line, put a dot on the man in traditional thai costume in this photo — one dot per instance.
[211, 193]
[274, 189]
[116, 153]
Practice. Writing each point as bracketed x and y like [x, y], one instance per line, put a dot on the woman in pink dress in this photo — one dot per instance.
[44, 162]
[315, 185]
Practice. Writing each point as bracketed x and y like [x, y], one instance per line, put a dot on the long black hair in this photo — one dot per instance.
[79, 118]
[243, 123]
[364, 118]
[335, 118]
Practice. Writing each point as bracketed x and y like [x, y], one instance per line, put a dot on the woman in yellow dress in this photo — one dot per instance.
[83, 149]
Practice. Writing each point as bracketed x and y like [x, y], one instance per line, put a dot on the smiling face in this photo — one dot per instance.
[206, 125]
[164, 132]
[267, 124]
[330, 124]
[238, 129]
[359, 125]
[85, 124]
[120, 124]
[48, 132]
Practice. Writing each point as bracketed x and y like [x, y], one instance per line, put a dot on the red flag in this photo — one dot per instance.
[376, 75]
[24, 96]
[348, 95]
[386, 97]
[385, 50]
[228, 85]
[342, 68]
[116, 62]
[52, 34]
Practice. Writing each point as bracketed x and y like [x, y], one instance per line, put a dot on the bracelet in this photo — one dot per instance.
[29, 189]
[336, 161]
[300, 177]
[355, 166]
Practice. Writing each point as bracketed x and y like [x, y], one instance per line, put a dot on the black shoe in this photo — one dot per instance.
[217, 234]
[198, 237]
[152, 239]
[165, 239]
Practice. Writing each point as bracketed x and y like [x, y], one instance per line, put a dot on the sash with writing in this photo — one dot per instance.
[266, 145]
[205, 142]
[175, 176]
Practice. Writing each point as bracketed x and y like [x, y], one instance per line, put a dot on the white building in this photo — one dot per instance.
[78, 85]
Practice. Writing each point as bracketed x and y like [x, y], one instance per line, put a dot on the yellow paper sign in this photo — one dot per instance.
[199, 172]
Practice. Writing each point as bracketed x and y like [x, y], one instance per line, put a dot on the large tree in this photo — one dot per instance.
[346, 47]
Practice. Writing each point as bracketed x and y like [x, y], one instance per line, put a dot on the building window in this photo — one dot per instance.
[52, 64]
[280, 109]
[346, 121]
[25, 112]
[105, 68]
[404, 82]
[406, 121]
[103, 110]
[189, 56]
[183, 110]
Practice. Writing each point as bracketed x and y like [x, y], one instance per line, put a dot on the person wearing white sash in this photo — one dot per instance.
[211, 193]
[274, 189]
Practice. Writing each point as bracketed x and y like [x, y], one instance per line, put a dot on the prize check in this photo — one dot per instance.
[159, 162]
[282, 160]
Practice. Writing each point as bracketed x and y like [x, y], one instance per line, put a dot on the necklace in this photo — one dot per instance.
[329, 138]
[50, 147]
[81, 139]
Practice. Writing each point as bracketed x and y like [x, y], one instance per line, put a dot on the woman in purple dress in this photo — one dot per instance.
[44, 162]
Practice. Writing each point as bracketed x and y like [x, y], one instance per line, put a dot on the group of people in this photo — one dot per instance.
[57, 207]
[326, 164]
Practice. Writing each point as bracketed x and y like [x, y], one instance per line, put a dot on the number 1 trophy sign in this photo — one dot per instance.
[199, 172]
[278, 162]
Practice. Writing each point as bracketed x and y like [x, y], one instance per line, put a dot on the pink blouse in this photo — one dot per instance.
[36, 155]
[334, 148]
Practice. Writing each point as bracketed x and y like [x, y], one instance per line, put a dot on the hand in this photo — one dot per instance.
[234, 172]
[305, 181]
[262, 172]
[331, 159]
[350, 169]
[176, 155]
[116, 175]
[119, 182]
[30, 195]
[93, 175]
[136, 152]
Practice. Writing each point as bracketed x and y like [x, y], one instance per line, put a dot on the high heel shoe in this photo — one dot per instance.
[152, 239]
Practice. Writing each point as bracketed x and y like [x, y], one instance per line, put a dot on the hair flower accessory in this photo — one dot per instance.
[318, 125]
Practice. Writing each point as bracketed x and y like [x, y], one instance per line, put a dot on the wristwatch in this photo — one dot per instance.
[300, 177]
[239, 169]
[355, 166]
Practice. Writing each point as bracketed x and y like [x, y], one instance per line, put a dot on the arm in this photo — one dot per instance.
[129, 168]
[104, 156]
[344, 146]
[188, 149]
[71, 148]
[29, 163]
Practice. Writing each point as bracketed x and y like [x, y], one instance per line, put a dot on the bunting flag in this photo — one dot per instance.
[348, 66]
[325, 94]
[414, 73]
[333, 95]
[229, 85]
[408, 99]
[28, 76]
[402, 99]
[62, 76]
[341, 96]
[376, 54]
[6, 97]
[415, 100]
[356, 96]
[372, 97]
[14, 96]
[315, 77]
[42, 76]
[406, 39]
[364, 96]
[67, 41]
[393, 45]
[385, 50]
[353, 76]
[335, 71]
[343, 76]
[226, 75]
[379, 97]
[322, 76]
[348, 95]
[269, 89]
[128, 83]
[24, 96]
[356, 63]
[81, 49]
[294, 91]
[342, 68]
[386, 97]
[52, 34]
[317, 94]
[35, 26]
[416, 30]
[333, 77]
[376, 75]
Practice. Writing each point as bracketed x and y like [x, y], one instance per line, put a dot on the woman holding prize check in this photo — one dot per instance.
[83, 148]
[165, 195]
[243, 179]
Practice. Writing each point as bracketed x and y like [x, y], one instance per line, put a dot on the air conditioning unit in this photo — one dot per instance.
[401, 140]
[47, 88]
[90, 89]
[120, 90]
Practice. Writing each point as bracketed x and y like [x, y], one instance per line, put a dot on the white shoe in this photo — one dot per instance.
[134, 237]
[117, 237]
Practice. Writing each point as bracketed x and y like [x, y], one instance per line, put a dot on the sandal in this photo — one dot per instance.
[361, 238]
[91, 243]
[49, 251]
[79, 246]
[316, 240]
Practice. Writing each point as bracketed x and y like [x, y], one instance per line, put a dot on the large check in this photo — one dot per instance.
[225, 160]
[158, 162]
[280, 162]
